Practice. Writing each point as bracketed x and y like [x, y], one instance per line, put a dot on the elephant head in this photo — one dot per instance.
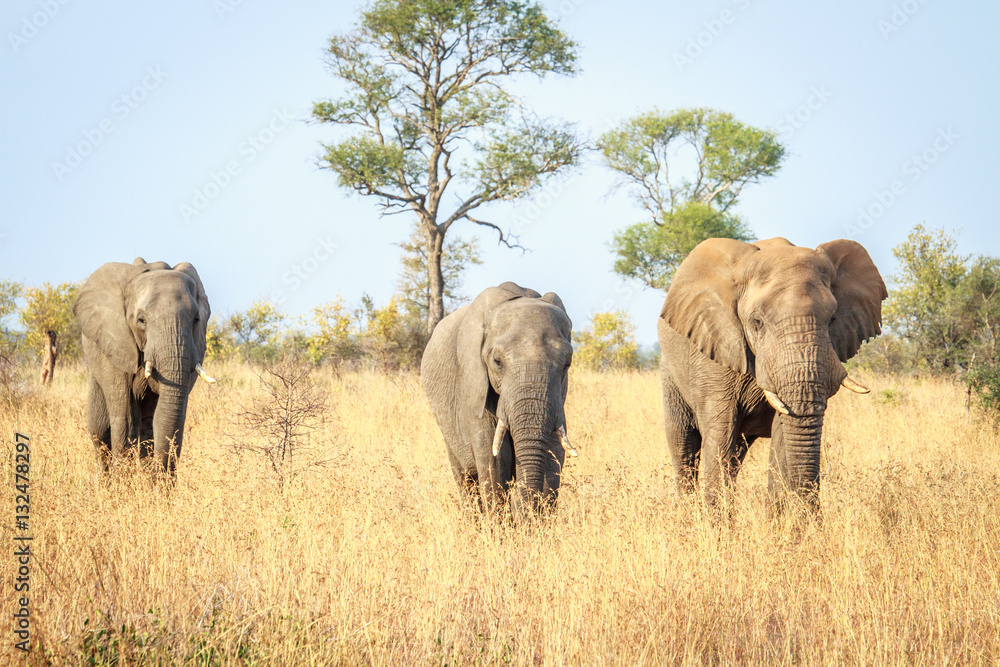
[148, 321]
[514, 353]
[787, 316]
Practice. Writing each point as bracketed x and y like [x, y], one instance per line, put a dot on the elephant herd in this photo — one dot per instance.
[753, 338]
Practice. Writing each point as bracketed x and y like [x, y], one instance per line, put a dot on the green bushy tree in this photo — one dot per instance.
[608, 343]
[651, 252]
[685, 206]
[333, 337]
[10, 291]
[254, 334]
[944, 305]
[50, 308]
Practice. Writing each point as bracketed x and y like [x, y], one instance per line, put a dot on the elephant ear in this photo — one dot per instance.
[474, 385]
[515, 291]
[776, 242]
[702, 299]
[553, 298]
[204, 310]
[100, 310]
[150, 266]
[859, 290]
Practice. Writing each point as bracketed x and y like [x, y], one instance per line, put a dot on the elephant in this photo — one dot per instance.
[753, 338]
[143, 328]
[495, 372]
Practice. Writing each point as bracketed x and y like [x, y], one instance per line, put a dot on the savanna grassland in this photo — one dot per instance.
[371, 559]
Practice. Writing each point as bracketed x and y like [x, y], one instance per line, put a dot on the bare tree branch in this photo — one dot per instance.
[508, 240]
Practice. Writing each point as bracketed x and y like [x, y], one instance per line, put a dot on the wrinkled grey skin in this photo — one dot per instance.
[504, 355]
[742, 318]
[130, 314]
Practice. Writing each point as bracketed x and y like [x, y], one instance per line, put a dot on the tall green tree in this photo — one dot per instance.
[981, 293]
[686, 169]
[50, 328]
[256, 333]
[9, 293]
[427, 101]
[651, 252]
[944, 304]
[333, 337]
[607, 343]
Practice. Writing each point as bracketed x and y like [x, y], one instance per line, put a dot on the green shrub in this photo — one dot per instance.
[984, 382]
[608, 343]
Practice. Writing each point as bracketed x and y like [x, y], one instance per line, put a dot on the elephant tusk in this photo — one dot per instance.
[856, 387]
[564, 440]
[498, 437]
[203, 375]
[776, 402]
[149, 368]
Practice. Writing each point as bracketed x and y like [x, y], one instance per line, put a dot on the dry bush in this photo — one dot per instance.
[374, 561]
[280, 420]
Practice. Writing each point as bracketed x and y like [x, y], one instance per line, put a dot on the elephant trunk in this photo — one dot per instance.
[804, 381]
[173, 359]
[533, 412]
[800, 438]
[168, 428]
[806, 371]
[530, 464]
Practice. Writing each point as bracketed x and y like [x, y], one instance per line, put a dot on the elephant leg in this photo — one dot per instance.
[741, 446]
[492, 487]
[777, 473]
[683, 438]
[467, 481]
[475, 455]
[146, 411]
[124, 422]
[99, 424]
[723, 449]
[553, 475]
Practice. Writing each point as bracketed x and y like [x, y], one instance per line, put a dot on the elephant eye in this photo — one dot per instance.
[197, 319]
[756, 323]
[497, 363]
[142, 320]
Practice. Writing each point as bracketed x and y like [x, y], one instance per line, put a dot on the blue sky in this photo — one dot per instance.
[887, 108]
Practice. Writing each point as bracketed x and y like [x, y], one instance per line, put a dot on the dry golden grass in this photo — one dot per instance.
[372, 560]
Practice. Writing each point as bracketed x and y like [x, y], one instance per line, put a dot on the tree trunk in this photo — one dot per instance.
[49, 355]
[435, 279]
